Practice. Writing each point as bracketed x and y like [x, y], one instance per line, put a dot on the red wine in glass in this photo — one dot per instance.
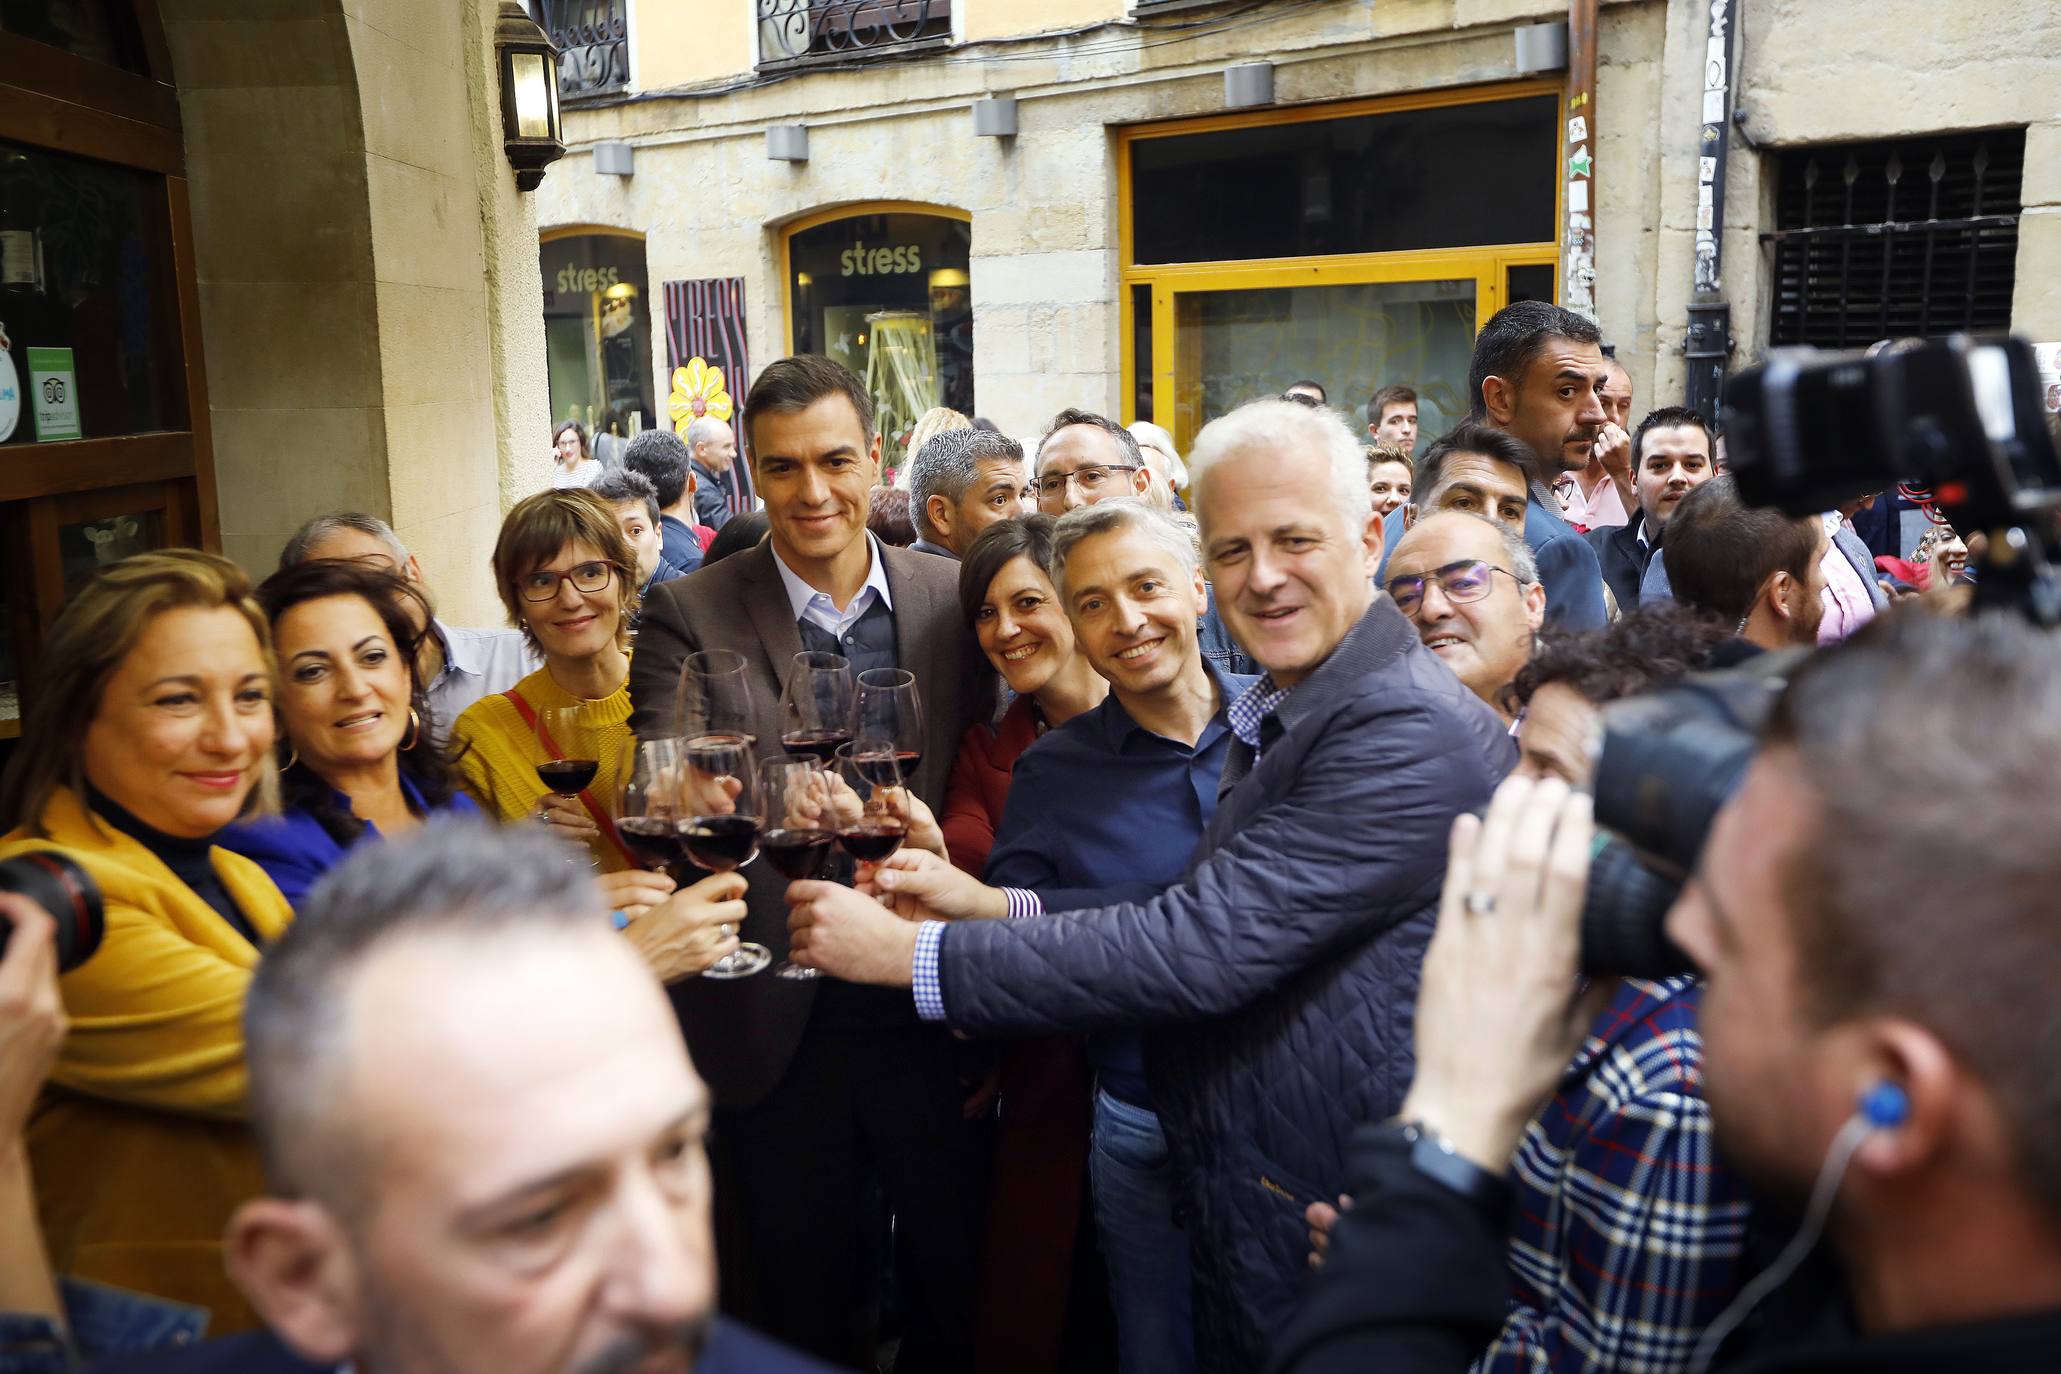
[870, 842]
[797, 853]
[877, 770]
[567, 777]
[721, 844]
[653, 841]
[820, 745]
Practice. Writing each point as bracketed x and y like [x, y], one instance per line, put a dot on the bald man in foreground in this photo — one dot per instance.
[483, 1139]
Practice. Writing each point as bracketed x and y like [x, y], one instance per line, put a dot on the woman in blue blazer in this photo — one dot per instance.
[358, 754]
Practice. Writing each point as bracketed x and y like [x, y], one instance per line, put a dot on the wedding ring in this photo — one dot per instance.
[729, 932]
[1481, 903]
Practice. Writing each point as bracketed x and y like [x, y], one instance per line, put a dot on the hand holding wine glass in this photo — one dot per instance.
[570, 759]
[719, 829]
[800, 831]
[816, 706]
[870, 767]
[887, 707]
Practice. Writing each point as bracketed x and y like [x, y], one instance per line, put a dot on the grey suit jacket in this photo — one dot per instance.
[743, 1032]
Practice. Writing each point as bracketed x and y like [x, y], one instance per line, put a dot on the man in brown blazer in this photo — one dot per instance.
[823, 1087]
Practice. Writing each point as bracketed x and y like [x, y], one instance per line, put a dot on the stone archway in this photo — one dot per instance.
[367, 276]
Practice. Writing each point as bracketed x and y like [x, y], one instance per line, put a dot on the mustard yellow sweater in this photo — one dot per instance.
[501, 752]
[138, 1147]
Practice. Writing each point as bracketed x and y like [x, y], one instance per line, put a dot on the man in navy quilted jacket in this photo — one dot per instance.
[1275, 983]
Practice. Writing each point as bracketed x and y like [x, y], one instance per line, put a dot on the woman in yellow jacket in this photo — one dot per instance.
[566, 574]
[150, 728]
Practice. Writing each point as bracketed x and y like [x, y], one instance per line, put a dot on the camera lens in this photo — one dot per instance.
[1624, 915]
[63, 889]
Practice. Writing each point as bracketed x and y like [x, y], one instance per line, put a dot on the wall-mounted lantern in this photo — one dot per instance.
[530, 126]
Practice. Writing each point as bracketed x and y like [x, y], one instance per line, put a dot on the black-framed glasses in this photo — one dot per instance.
[1467, 580]
[543, 584]
[1091, 479]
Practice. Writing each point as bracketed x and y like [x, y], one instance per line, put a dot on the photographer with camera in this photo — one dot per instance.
[1861, 1052]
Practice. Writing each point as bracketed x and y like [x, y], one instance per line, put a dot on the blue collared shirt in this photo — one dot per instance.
[1153, 798]
[816, 607]
[477, 663]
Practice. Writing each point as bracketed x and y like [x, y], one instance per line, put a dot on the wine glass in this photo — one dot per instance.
[870, 766]
[571, 754]
[887, 708]
[800, 829]
[647, 806]
[816, 706]
[714, 696]
[719, 824]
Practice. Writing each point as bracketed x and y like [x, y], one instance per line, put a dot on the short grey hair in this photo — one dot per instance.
[1520, 561]
[948, 463]
[460, 877]
[304, 539]
[1273, 424]
[1114, 516]
[1156, 439]
[703, 429]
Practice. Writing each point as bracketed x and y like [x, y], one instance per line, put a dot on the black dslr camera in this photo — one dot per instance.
[63, 889]
[1805, 431]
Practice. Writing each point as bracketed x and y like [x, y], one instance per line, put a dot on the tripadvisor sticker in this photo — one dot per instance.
[54, 392]
[10, 389]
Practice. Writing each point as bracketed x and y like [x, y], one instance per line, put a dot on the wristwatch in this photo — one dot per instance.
[1432, 1155]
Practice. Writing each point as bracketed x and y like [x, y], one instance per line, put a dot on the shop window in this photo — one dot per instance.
[597, 335]
[797, 31]
[96, 30]
[1917, 237]
[81, 277]
[593, 38]
[889, 295]
[1450, 176]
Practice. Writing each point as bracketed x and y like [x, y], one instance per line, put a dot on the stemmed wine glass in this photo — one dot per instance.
[719, 826]
[647, 806]
[870, 765]
[800, 827]
[571, 755]
[887, 708]
[816, 706]
[714, 697]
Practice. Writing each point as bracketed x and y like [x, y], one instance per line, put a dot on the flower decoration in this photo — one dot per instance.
[698, 391]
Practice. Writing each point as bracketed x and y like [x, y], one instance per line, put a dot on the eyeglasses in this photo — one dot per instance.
[543, 584]
[1467, 580]
[1091, 478]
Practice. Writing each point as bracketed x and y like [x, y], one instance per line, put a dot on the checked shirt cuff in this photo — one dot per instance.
[924, 980]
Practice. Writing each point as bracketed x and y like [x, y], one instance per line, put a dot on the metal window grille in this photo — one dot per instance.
[1912, 238]
[593, 38]
[792, 32]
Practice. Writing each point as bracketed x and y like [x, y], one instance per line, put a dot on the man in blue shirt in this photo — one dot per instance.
[1151, 755]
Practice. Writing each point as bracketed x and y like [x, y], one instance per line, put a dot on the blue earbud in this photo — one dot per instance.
[1885, 1106]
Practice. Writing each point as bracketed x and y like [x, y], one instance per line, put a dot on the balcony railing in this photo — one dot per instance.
[593, 38]
[792, 32]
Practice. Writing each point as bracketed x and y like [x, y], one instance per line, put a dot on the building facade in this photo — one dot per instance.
[1011, 208]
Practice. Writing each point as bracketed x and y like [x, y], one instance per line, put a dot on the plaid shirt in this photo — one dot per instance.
[1626, 1235]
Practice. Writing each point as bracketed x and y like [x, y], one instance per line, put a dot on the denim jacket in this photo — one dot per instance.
[104, 1322]
[1218, 646]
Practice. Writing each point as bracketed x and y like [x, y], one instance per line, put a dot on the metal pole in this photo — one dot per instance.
[1708, 346]
[1578, 258]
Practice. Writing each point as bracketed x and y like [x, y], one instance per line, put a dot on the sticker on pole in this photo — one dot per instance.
[53, 394]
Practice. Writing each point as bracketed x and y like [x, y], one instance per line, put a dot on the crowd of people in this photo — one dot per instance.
[1234, 930]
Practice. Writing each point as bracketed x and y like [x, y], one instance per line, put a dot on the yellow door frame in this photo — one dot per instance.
[1487, 265]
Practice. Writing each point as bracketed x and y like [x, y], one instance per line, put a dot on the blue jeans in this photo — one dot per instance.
[1144, 1248]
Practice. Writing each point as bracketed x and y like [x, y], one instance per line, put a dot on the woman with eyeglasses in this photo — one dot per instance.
[566, 574]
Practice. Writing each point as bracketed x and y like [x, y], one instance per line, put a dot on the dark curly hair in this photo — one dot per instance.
[1647, 648]
[401, 609]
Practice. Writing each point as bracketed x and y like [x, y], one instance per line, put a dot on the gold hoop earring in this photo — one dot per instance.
[414, 731]
[293, 756]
